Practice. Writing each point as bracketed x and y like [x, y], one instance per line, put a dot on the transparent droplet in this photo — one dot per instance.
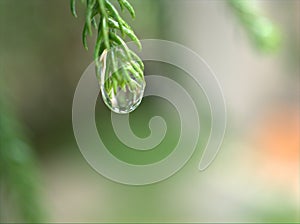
[122, 88]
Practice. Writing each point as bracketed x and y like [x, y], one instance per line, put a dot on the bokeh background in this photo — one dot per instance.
[255, 177]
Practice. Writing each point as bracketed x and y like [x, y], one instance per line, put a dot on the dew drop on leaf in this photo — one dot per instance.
[122, 87]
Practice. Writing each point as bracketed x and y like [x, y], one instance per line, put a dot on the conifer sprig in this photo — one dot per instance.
[112, 30]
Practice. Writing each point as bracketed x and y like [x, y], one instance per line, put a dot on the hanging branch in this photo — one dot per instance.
[111, 31]
[262, 31]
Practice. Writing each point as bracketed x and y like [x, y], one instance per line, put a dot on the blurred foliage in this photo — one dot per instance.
[261, 30]
[19, 181]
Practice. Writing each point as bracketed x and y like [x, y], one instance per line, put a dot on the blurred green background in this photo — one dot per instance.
[252, 46]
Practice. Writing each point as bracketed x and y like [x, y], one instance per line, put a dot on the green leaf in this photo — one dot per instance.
[105, 33]
[128, 32]
[84, 35]
[97, 49]
[115, 14]
[94, 23]
[73, 8]
[125, 4]
[137, 59]
[115, 85]
[89, 13]
[102, 8]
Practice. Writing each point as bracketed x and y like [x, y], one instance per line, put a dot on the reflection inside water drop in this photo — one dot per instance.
[125, 99]
[122, 89]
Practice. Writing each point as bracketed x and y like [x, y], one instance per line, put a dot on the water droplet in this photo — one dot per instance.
[122, 86]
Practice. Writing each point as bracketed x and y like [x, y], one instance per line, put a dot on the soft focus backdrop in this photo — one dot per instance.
[255, 177]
